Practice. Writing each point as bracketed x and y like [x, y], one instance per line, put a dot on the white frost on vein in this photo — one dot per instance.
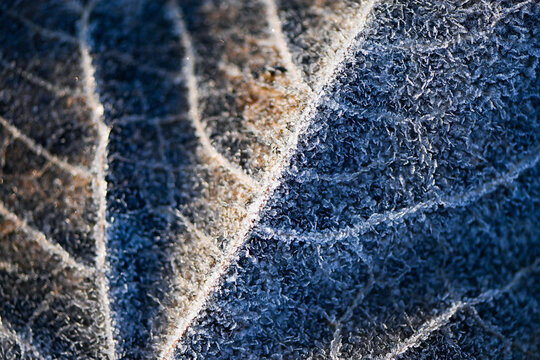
[98, 168]
[452, 201]
[43, 242]
[272, 178]
[58, 91]
[280, 42]
[193, 99]
[73, 170]
[429, 327]
[26, 347]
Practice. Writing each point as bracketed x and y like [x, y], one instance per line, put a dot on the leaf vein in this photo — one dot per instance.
[193, 100]
[436, 323]
[58, 91]
[44, 242]
[282, 44]
[25, 345]
[269, 184]
[454, 201]
[74, 170]
[99, 183]
[48, 33]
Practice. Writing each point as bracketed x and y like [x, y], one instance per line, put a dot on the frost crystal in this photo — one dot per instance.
[279, 179]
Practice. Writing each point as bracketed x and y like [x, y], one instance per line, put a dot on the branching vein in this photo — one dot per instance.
[271, 179]
[98, 169]
[58, 91]
[194, 230]
[436, 323]
[453, 201]
[43, 306]
[45, 243]
[74, 170]
[281, 43]
[67, 38]
[47, 33]
[335, 344]
[25, 346]
[493, 331]
[193, 99]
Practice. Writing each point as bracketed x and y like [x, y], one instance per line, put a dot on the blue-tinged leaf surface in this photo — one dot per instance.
[408, 216]
[269, 179]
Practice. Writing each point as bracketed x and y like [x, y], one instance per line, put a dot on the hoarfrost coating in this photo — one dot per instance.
[269, 179]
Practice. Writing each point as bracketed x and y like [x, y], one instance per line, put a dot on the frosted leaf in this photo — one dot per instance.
[54, 301]
[269, 179]
[411, 191]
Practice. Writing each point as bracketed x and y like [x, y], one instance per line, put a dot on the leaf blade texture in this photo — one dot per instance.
[269, 179]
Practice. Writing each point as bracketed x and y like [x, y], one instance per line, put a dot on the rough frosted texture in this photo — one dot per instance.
[252, 179]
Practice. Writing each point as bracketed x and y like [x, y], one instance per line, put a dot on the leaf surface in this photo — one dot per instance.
[259, 179]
